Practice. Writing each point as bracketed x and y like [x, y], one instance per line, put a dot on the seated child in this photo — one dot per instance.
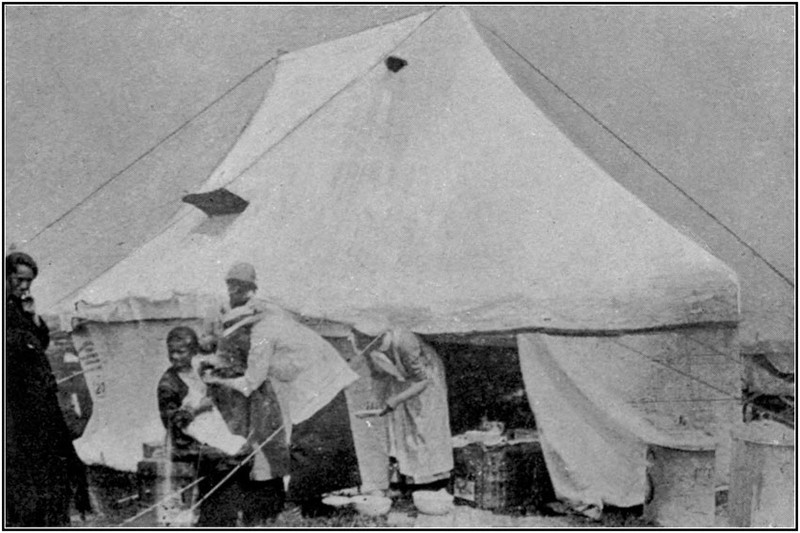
[187, 412]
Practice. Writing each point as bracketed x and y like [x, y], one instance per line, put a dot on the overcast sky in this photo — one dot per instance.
[132, 107]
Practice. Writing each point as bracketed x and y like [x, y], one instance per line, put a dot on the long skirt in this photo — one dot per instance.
[322, 453]
[256, 418]
[257, 501]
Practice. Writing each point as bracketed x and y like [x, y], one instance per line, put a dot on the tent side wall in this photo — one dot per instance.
[123, 362]
[658, 386]
[675, 388]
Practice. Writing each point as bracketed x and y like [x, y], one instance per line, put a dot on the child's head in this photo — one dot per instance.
[182, 345]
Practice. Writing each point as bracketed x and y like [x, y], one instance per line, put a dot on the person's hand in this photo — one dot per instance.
[205, 404]
[29, 306]
[245, 450]
[389, 406]
[209, 378]
[372, 409]
[207, 342]
[210, 359]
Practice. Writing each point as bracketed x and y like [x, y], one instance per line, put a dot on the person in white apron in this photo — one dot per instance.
[308, 377]
[411, 389]
[252, 409]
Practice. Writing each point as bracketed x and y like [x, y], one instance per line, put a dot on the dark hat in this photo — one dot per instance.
[242, 272]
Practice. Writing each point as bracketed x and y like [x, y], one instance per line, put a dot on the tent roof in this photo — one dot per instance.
[439, 197]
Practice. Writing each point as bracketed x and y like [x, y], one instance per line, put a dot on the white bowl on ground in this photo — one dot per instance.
[433, 502]
[371, 505]
[335, 500]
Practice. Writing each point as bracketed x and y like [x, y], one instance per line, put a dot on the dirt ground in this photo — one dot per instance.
[460, 517]
[401, 516]
[117, 506]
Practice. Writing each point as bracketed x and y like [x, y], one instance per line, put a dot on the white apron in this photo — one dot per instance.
[419, 428]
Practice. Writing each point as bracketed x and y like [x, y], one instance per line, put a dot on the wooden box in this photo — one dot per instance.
[503, 476]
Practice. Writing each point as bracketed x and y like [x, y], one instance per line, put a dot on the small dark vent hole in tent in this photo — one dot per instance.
[395, 63]
[217, 202]
[221, 206]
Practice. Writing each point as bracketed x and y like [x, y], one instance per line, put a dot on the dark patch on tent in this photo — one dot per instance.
[217, 202]
[395, 63]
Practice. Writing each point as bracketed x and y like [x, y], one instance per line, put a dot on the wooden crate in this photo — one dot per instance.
[503, 476]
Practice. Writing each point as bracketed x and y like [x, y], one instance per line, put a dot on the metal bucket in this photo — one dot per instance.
[682, 486]
[762, 476]
[159, 478]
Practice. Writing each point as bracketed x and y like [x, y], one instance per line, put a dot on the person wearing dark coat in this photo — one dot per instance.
[277, 363]
[43, 471]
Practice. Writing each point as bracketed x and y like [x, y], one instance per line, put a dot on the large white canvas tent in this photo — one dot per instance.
[439, 197]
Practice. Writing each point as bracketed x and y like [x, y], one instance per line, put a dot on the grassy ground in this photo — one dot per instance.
[289, 518]
[347, 518]
[116, 505]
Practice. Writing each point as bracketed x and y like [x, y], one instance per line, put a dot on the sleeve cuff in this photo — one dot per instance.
[242, 385]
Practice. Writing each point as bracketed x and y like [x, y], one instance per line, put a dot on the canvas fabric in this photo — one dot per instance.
[594, 433]
[440, 198]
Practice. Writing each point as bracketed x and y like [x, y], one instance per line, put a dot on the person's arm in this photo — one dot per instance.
[210, 330]
[258, 362]
[41, 330]
[415, 389]
[408, 348]
[205, 404]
